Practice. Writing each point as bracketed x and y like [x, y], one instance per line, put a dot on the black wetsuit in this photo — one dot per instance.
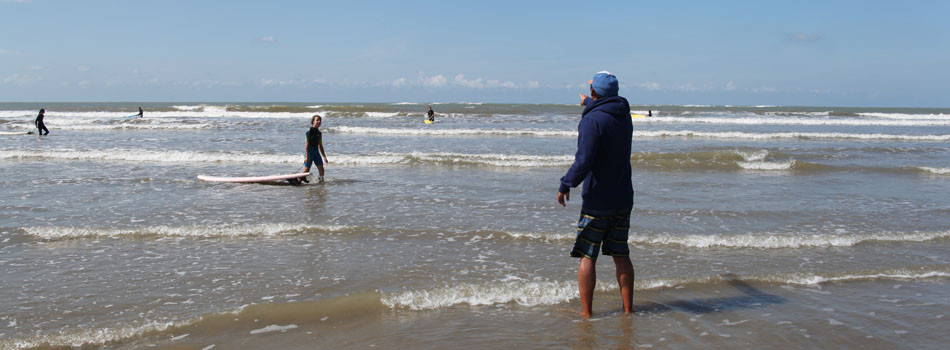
[141, 114]
[40, 126]
[431, 114]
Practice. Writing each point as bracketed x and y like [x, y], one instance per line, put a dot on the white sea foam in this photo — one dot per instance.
[775, 241]
[788, 135]
[903, 116]
[753, 156]
[383, 158]
[273, 328]
[755, 240]
[450, 132]
[797, 121]
[150, 156]
[500, 160]
[499, 292]
[89, 337]
[766, 165]
[206, 231]
[938, 171]
[546, 236]
[533, 293]
[380, 114]
[636, 134]
[137, 126]
[67, 117]
[815, 279]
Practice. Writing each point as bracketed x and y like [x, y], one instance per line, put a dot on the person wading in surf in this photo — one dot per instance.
[40, 126]
[602, 162]
[315, 148]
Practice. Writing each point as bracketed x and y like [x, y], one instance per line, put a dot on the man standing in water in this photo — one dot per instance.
[431, 114]
[40, 126]
[602, 162]
[314, 148]
[141, 113]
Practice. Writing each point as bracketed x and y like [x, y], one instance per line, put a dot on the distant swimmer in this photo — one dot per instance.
[431, 114]
[649, 113]
[40, 127]
[315, 148]
[141, 114]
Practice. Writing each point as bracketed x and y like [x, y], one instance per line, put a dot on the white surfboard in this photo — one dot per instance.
[252, 178]
[15, 132]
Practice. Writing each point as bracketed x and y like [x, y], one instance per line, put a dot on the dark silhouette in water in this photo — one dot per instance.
[40, 127]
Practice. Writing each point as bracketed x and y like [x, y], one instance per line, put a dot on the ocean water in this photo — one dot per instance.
[764, 226]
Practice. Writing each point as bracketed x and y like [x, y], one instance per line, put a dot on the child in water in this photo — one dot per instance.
[315, 148]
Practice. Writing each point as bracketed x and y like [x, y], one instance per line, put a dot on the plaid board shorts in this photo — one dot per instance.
[607, 231]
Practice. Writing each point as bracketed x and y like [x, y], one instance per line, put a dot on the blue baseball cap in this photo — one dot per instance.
[605, 84]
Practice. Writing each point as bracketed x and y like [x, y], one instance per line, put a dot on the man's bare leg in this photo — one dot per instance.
[586, 279]
[625, 279]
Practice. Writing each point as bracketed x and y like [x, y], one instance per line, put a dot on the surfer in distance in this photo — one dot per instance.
[314, 148]
[40, 126]
[141, 113]
[431, 114]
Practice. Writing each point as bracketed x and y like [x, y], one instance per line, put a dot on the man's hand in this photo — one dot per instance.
[584, 98]
[563, 197]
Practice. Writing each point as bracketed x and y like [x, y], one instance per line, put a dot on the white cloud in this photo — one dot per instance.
[82, 69]
[9, 52]
[208, 83]
[20, 79]
[268, 39]
[686, 87]
[399, 82]
[435, 81]
[533, 84]
[501, 84]
[480, 83]
[471, 83]
[730, 86]
[650, 85]
[34, 68]
[283, 83]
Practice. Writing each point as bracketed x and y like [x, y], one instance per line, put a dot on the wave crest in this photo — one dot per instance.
[208, 231]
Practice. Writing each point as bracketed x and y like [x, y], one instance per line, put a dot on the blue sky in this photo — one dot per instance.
[826, 53]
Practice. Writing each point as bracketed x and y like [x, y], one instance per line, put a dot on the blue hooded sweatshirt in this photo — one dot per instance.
[602, 162]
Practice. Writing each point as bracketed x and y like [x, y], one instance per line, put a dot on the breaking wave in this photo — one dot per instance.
[798, 121]
[755, 240]
[209, 231]
[533, 293]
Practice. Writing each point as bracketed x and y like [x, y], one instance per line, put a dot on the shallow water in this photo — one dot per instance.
[784, 227]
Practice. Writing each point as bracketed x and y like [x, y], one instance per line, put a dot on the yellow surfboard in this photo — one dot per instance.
[429, 121]
[635, 116]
